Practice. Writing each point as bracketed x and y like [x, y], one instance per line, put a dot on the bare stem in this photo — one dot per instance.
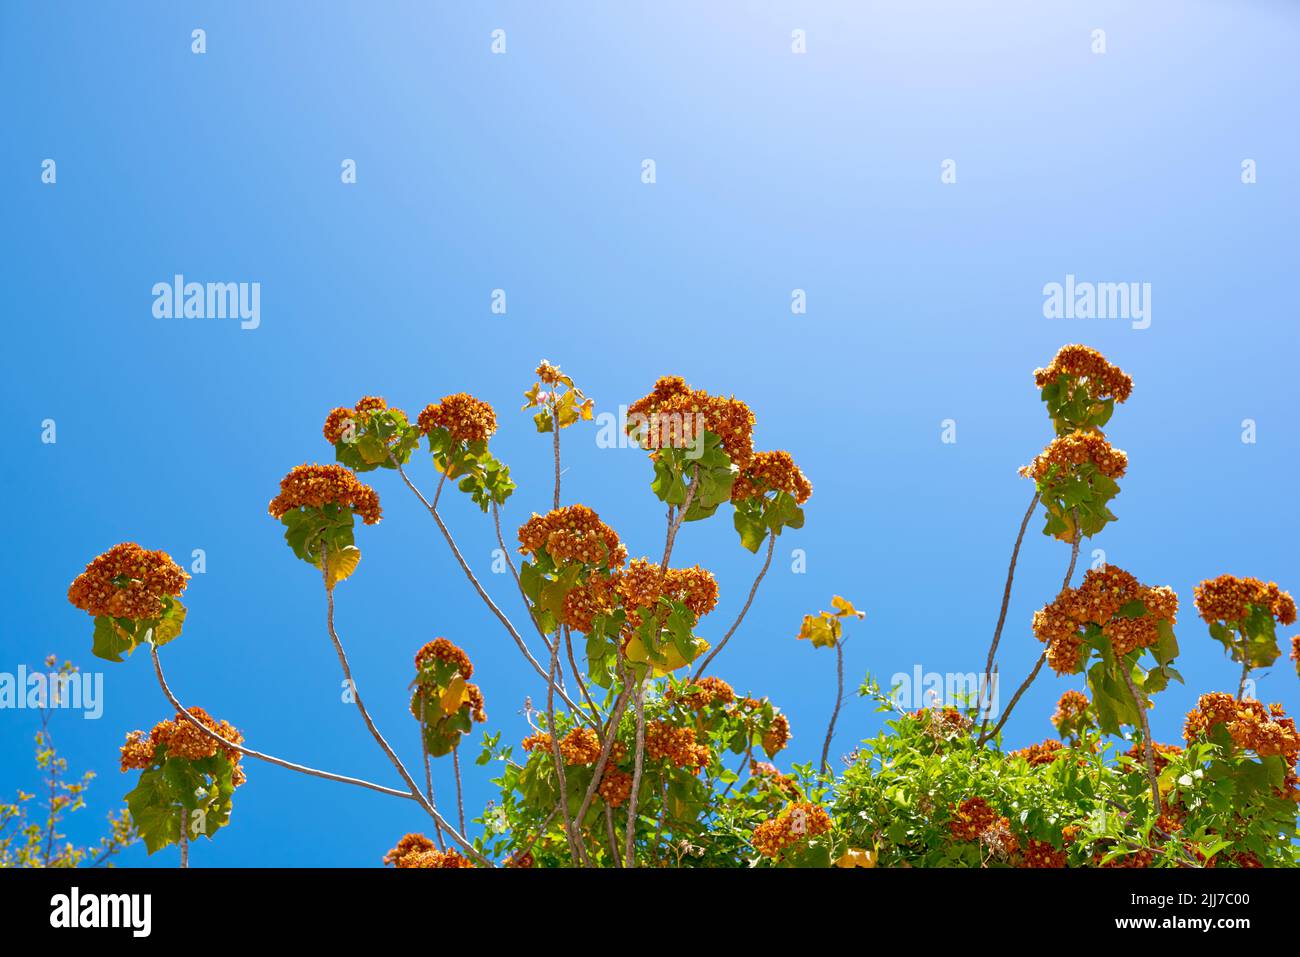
[1148, 751]
[1006, 593]
[753, 590]
[185, 837]
[460, 796]
[569, 831]
[607, 746]
[555, 429]
[629, 851]
[839, 700]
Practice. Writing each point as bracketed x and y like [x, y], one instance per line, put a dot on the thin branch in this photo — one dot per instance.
[575, 841]
[555, 428]
[839, 700]
[607, 746]
[1149, 753]
[185, 838]
[451, 542]
[753, 590]
[629, 852]
[1006, 594]
[460, 796]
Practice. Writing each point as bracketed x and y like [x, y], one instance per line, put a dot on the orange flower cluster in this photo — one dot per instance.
[578, 746]
[467, 419]
[146, 576]
[1295, 652]
[971, 818]
[1266, 731]
[1039, 854]
[771, 471]
[520, 860]
[313, 486]
[704, 693]
[1228, 599]
[999, 838]
[443, 650]
[615, 787]
[796, 822]
[183, 740]
[336, 422]
[1161, 753]
[1077, 448]
[584, 602]
[643, 584]
[1103, 380]
[663, 740]
[573, 533]
[1097, 601]
[1045, 752]
[1071, 706]
[670, 411]
[777, 736]
[416, 850]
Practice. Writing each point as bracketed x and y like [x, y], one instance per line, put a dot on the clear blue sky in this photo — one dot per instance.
[522, 172]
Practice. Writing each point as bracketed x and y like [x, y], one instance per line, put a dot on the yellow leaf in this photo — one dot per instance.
[823, 630]
[856, 857]
[342, 563]
[457, 694]
[843, 608]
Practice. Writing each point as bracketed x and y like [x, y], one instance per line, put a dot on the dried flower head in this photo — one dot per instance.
[771, 471]
[673, 414]
[467, 419]
[1229, 599]
[1077, 448]
[1253, 727]
[703, 693]
[336, 423]
[1071, 708]
[181, 739]
[440, 649]
[1042, 854]
[1099, 377]
[573, 533]
[797, 822]
[314, 486]
[127, 581]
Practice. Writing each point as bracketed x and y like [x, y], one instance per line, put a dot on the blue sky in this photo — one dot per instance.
[521, 172]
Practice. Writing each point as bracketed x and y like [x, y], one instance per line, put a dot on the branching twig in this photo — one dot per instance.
[753, 590]
[629, 851]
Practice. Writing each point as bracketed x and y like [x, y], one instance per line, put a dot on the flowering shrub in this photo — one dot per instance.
[640, 757]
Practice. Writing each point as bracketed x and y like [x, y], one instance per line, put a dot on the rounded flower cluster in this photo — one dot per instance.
[615, 787]
[796, 822]
[663, 740]
[1103, 380]
[1041, 854]
[579, 746]
[1044, 752]
[643, 584]
[971, 818]
[1266, 731]
[1228, 599]
[771, 471]
[182, 740]
[585, 602]
[1071, 708]
[1000, 839]
[674, 412]
[777, 736]
[1295, 652]
[127, 581]
[441, 649]
[416, 850]
[336, 423]
[1063, 454]
[467, 419]
[1097, 601]
[573, 533]
[704, 693]
[314, 486]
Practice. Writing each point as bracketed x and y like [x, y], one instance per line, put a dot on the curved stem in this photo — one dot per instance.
[451, 542]
[1006, 595]
[839, 700]
[269, 759]
[428, 786]
[569, 830]
[369, 722]
[514, 573]
[753, 590]
[185, 837]
[460, 796]
[629, 844]
[555, 429]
